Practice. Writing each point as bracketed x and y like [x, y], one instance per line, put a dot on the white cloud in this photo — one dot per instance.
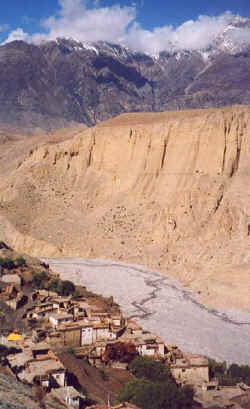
[86, 20]
[77, 21]
[191, 35]
[17, 34]
[240, 36]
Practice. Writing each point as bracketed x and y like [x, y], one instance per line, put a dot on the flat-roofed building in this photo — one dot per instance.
[48, 371]
[11, 279]
[190, 368]
[60, 318]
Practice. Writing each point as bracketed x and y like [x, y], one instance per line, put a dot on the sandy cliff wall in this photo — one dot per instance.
[169, 190]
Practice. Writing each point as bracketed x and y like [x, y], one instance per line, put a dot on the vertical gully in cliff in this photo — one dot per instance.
[91, 151]
[238, 151]
[165, 145]
[225, 146]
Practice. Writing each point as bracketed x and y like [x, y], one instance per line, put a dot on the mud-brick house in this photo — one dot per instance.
[13, 296]
[40, 350]
[46, 293]
[150, 345]
[60, 318]
[71, 334]
[41, 310]
[19, 301]
[17, 362]
[133, 329]
[118, 320]
[190, 368]
[44, 306]
[11, 279]
[78, 312]
[87, 332]
[92, 333]
[147, 344]
[70, 396]
[62, 303]
[29, 355]
[94, 355]
[83, 309]
[49, 372]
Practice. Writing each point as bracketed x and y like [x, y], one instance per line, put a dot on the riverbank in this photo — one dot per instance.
[162, 306]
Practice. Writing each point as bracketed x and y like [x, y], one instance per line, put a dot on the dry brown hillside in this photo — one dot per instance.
[168, 190]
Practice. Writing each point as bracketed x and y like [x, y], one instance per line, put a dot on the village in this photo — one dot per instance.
[100, 336]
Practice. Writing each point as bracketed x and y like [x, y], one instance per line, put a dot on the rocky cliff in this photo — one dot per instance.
[168, 190]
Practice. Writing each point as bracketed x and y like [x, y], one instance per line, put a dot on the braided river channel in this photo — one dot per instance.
[161, 305]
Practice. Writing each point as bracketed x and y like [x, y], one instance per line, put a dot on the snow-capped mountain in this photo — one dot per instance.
[65, 80]
[234, 38]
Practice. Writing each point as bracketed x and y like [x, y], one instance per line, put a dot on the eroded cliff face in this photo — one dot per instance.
[168, 190]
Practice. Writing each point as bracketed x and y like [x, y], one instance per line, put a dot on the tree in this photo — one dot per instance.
[38, 279]
[239, 373]
[156, 395]
[217, 368]
[54, 285]
[7, 263]
[155, 387]
[20, 261]
[66, 288]
[120, 351]
[3, 351]
[229, 376]
[146, 367]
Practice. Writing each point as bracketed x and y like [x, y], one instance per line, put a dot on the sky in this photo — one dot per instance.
[145, 25]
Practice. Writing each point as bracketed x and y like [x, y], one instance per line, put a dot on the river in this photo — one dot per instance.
[162, 306]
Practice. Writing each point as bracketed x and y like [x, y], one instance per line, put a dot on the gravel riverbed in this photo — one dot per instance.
[162, 306]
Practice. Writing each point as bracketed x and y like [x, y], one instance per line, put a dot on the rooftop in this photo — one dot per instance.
[19, 359]
[190, 360]
[44, 366]
[61, 316]
[62, 393]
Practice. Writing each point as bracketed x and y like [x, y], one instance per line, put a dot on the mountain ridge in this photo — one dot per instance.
[50, 85]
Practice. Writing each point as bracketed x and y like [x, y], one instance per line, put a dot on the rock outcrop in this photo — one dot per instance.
[168, 190]
[14, 395]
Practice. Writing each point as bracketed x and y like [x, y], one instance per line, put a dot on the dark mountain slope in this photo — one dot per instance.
[61, 81]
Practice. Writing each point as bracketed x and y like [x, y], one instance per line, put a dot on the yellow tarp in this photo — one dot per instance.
[14, 337]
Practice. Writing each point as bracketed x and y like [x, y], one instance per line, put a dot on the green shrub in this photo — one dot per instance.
[229, 376]
[66, 288]
[3, 351]
[39, 279]
[20, 261]
[217, 369]
[156, 395]
[155, 387]
[7, 263]
[53, 285]
[62, 287]
[146, 367]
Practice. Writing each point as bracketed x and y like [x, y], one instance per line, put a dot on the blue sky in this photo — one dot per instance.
[176, 12]
[147, 25]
